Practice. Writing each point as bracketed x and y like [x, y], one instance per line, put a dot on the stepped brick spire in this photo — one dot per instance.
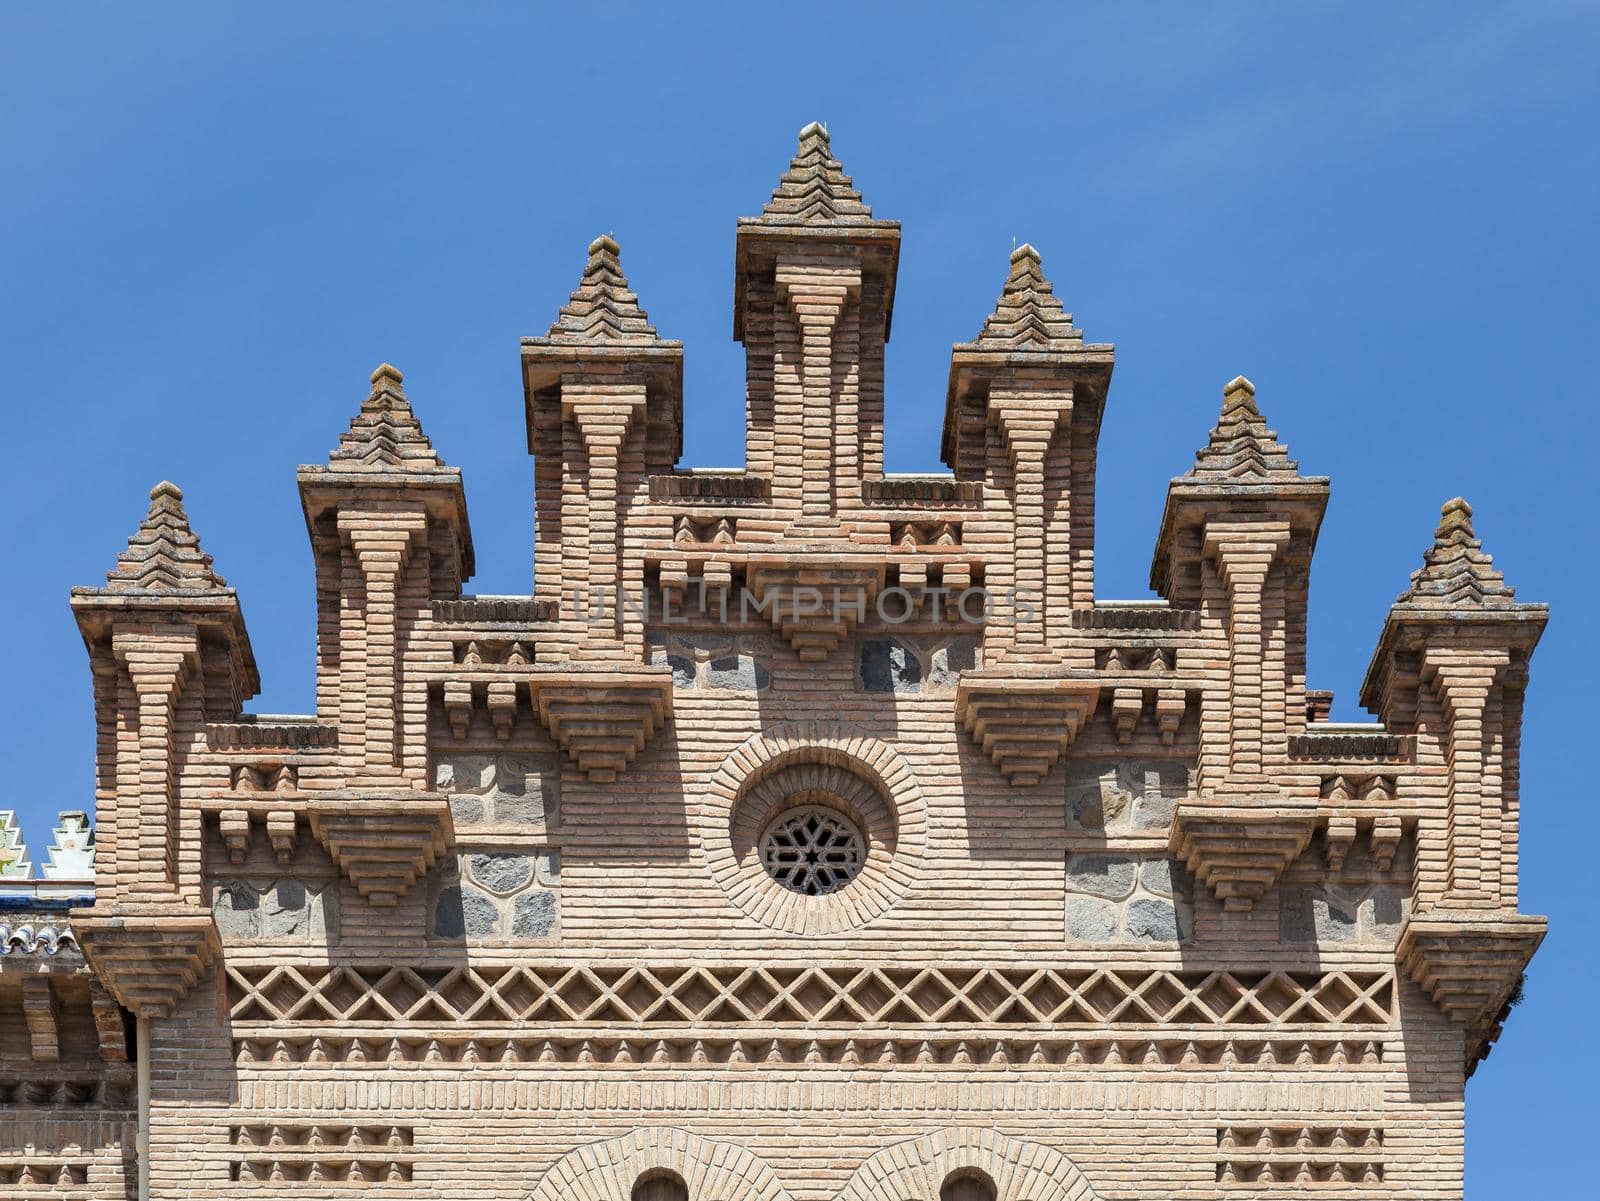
[14, 864]
[1028, 314]
[72, 852]
[815, 190]
[1456, 570]
[164, 554]
[1242, 449]
[603, 309]
[385, 434]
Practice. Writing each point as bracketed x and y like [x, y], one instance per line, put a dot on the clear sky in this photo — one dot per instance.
[218, 220]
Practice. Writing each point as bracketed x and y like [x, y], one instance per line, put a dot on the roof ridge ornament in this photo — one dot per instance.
[604, 310]
[14, 864]
[164, 554]
[385, 434]
[1028, 314]
[1241, 448]
[815, 190]
[1456, 570]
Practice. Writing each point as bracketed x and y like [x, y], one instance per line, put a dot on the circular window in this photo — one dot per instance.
[812, 829]
[813, 851]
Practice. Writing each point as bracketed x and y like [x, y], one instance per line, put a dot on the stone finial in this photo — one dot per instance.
[1242, 449]
[603, 310]
[815, 190]
[1028, 315]
[1456, 570]
[72, 852]
[14, 863]
[164, 554]
[385, 434]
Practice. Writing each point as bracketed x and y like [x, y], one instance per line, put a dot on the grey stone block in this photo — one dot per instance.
[481, 916]
[1334, 920]
[1150, 920]
[464, 773]
[1155, 875]
[1383, 912]
[286, 911]
[950, 660]
[1124, 794]
[1089, 920]
[1163, 777]
[1100, 875]
[1085, 810]
[1295, 923]
[739, 672]
[1153, 812]
[448, 919]
[533, 915]
[501, 873]
[1094, 800]
[1318, 915]
[466, 809]
[525, 791]
[238, 911]
[465, 913]
[514, 774]
[682, 671]
[888, 665]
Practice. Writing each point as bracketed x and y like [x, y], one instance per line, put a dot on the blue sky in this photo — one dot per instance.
[218, 221]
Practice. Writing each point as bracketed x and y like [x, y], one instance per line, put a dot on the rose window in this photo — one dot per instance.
[813, 851]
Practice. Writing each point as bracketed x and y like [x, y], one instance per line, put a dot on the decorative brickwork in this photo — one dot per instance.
[807, 832]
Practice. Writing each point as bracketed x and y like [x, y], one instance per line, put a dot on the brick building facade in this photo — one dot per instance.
[809, 832]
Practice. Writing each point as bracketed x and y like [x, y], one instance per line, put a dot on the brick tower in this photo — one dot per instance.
[808, 832]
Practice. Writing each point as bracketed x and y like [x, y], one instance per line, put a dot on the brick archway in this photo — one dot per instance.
[915, 1169]
[608, 1170]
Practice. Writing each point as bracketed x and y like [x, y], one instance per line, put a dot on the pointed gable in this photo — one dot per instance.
[1242, 449]
[1028, 315]
[603, 310]
[385, 434]
[164, 554]
[815, 190]
[1456, 570]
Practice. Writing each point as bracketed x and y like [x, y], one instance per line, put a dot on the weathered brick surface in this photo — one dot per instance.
[1131, 920]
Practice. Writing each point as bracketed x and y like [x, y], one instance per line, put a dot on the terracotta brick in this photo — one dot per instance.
[700, 873]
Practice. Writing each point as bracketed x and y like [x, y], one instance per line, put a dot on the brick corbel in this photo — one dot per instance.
[1469, 961]
[383, 841]
[111, 1034]
[39, 1007]
[149, 957]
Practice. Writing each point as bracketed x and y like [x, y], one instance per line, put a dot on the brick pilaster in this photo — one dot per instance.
[825, 429]
[1467, 682]
[382, 542]
[605, 418]
[1244, 554]
[1028, 421]
[158, 663]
